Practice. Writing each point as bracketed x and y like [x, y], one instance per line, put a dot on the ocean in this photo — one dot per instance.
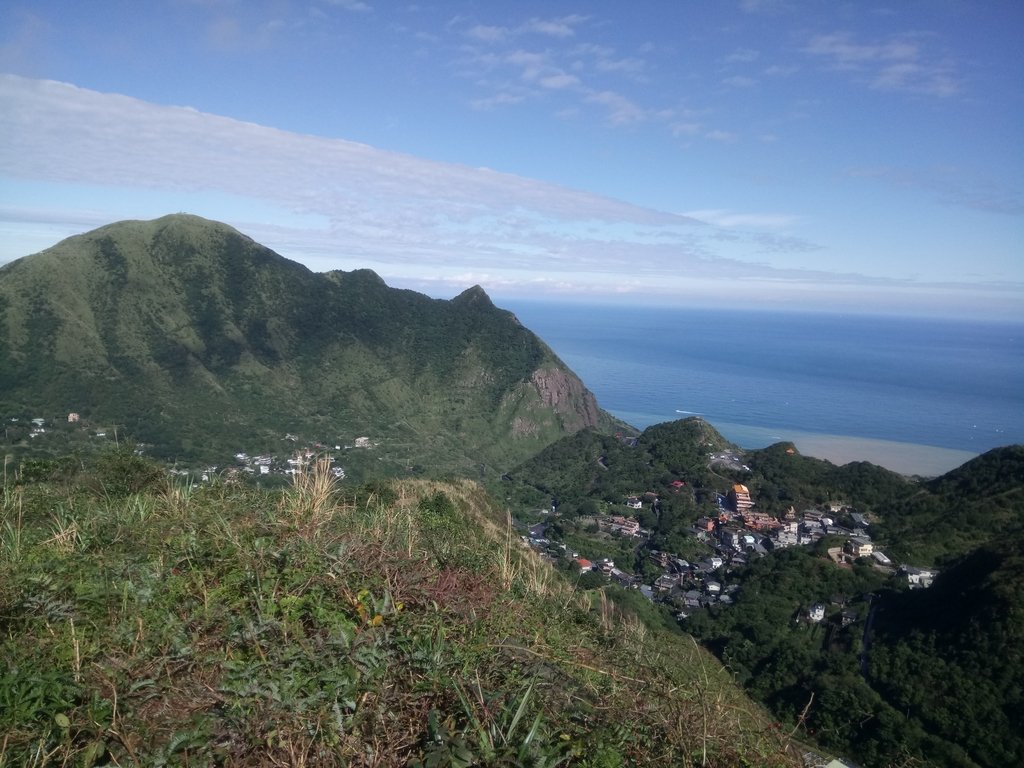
[920, 396]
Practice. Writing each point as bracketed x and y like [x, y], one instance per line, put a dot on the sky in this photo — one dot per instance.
[791, 154]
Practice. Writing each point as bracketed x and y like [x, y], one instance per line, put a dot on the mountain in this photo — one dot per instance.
[186, 334]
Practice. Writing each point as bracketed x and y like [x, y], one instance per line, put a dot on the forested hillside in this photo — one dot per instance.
[190, 337]
[979, 502]
[950, 657]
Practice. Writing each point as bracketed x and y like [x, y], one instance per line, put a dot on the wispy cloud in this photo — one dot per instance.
[951, 186]
[742, 56]
[559, 80]
[895, 64]
[502, 99]
[352, 5]
[375, 201]
[27, 43]
[725, 218]
[726, 137]
[739, 81]
[564, 26]
[559, 27]
[620, 109]
[766, 6]
[487, 33]
[515, 67]
[339, 204]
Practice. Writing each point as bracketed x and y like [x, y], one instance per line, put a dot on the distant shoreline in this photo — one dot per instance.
[904, 458]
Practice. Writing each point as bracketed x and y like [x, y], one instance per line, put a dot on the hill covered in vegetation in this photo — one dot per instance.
[145, 623]
[830, 637]
[689, 467]
[950, 656]
[950, 515]
[192, 338]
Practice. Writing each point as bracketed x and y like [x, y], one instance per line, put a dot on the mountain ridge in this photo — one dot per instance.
[169, 325]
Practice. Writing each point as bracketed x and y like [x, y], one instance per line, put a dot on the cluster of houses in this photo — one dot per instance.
[39, 425]
[735, 535]
[296, 464]
[255, 465]
[268, 465]
[624, 526]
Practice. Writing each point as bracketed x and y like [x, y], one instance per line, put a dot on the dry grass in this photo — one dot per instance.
[66, 536]
[329, 628]
[313, 501]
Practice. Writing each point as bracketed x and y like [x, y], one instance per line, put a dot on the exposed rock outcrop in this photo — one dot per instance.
[566, 395]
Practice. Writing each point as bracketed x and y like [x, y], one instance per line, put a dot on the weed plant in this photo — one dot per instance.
[397, 625]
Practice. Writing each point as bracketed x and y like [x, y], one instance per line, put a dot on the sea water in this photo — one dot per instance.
[917, 395]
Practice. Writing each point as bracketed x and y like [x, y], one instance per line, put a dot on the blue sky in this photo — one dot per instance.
[809, 155]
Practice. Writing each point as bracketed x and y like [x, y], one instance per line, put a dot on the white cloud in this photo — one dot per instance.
[685, 129]
[620, 109]
[502, 99]
[352, 5]
[336, 204]
[627, 65]
[487, 34]
[896, 64]
[58, 133]
[582, 72]
[742, 56]
[765, 6]
[739, 81]
[27, 43]
[559, 81]
[725, 137]
[560, 27]
[531, 63]
[911, 76]
[726, 218]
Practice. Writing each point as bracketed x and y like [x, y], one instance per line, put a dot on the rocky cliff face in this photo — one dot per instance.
[564, 393]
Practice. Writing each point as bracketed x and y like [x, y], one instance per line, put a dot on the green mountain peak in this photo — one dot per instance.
[201, 341]
[475, 296]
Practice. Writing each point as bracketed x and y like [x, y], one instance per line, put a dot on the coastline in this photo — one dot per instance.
[904, 458]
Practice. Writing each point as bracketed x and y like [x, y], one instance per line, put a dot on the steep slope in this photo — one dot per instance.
[393, 625]
[189, 335]
[950, 656]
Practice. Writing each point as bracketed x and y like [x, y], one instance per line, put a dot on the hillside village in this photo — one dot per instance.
[299, 452]
[732, 538]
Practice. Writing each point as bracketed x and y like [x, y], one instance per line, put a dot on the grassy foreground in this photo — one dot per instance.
[398, 625]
